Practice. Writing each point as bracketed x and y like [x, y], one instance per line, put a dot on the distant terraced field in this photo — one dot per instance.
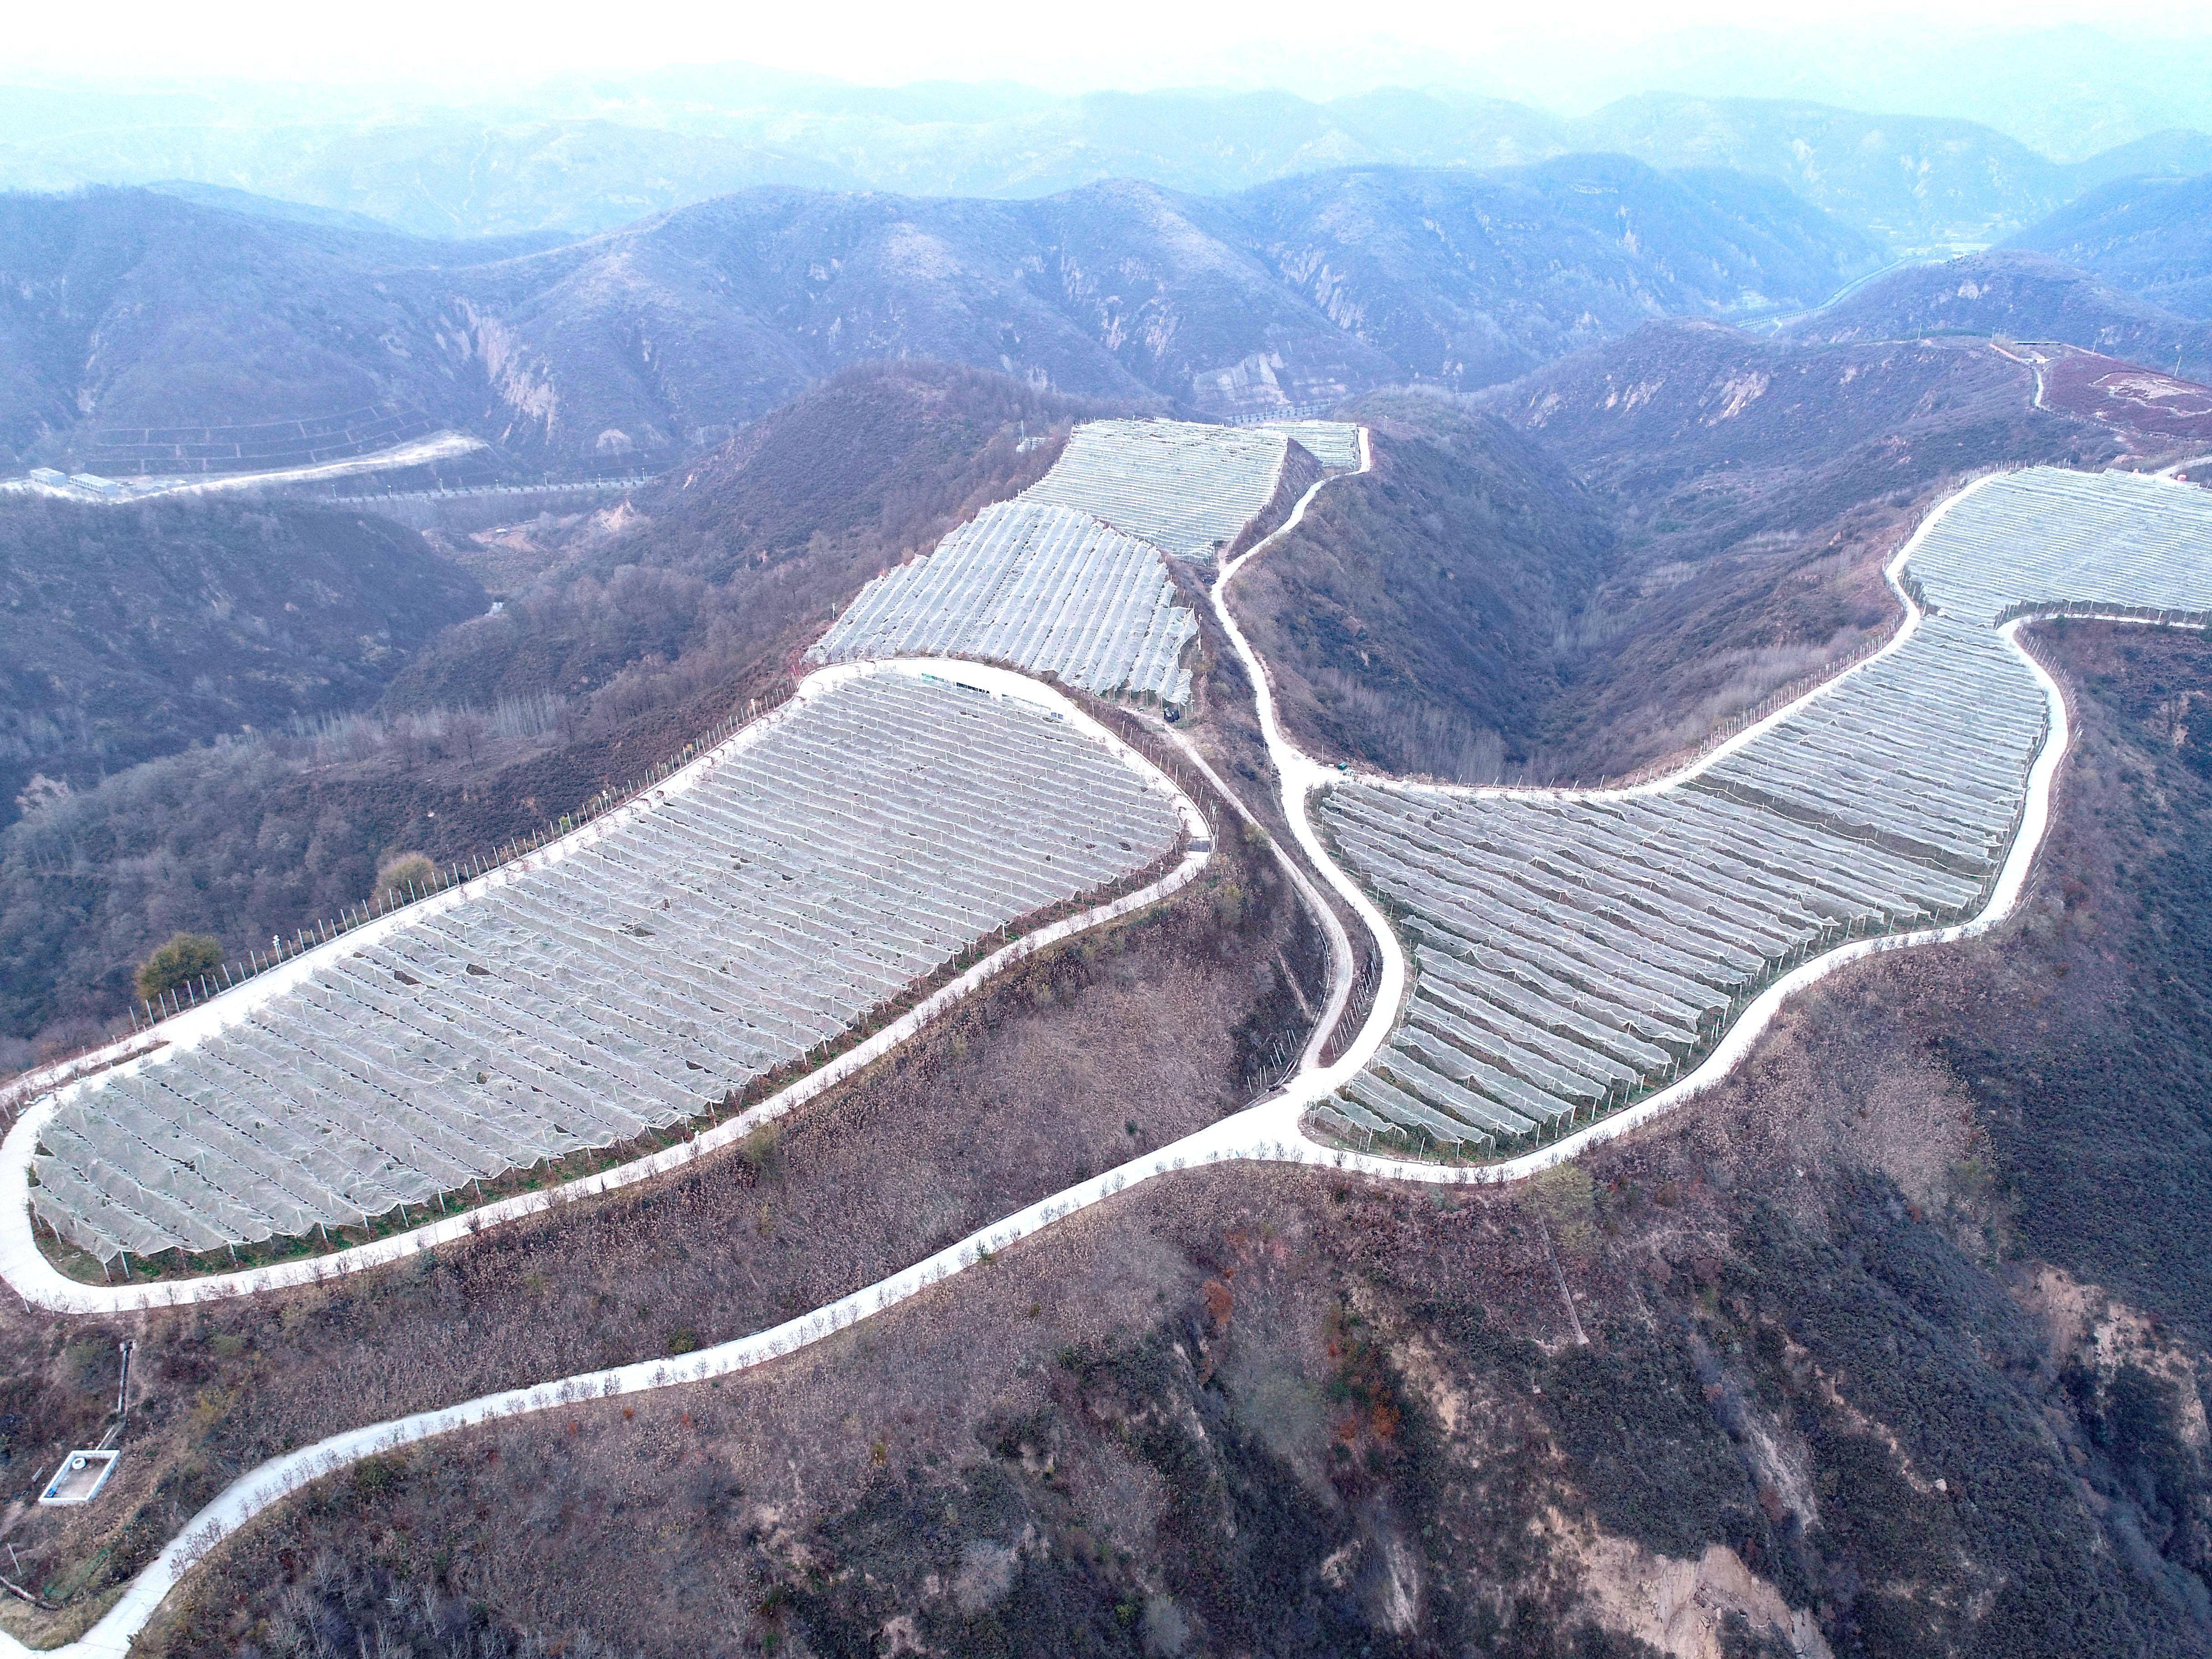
[272, 446]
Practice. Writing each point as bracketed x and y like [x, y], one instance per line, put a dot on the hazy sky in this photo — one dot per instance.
[1318, 48]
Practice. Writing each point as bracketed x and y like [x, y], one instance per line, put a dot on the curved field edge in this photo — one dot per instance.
[1743, 1033]
[27, 1270]
[1738, 1041]
[1269, 1132]
[1706, 758]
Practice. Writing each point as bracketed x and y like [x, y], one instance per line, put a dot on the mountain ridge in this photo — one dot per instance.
[2016, 294]
[583, 159]
[2147, 235]
[636, 346]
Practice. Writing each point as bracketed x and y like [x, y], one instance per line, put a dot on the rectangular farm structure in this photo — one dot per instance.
[1044, 589]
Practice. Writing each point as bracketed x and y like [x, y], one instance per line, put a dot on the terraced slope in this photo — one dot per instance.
[2051, 540]
[1044, 587]
[1334, 444]
[1188, 488]
[266, 446]
[1572, 951]
[1068, 578]
[813, 873]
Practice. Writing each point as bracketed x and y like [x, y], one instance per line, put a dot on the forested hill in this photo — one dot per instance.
[646, 625]
[132, 311]
[128, 310]
[129, 632]
[2022, 295]
[2150, 236]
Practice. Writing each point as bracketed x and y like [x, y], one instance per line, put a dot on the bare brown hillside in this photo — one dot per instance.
[1892, 1345]
[2157, 411]
[648, 624]
[128, 634]
[1591, 570]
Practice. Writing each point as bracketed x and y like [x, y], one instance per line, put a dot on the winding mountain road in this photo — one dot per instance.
[1268, 1131]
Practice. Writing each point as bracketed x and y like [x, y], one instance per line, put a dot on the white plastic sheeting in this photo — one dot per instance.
[1068, 578]
[1044, 587]
[1186, 488]
[2050, 538]
[1334, 444]
[845, 854]
[1572, 951]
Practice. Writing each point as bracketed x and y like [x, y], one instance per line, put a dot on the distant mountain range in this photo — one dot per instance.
[2023, 295]
[1917, 184]
[2070, 90]
[2150, 236]
[126, 316]
[585, 158]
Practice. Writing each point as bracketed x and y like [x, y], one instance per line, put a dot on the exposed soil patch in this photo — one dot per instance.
[2129, 396]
